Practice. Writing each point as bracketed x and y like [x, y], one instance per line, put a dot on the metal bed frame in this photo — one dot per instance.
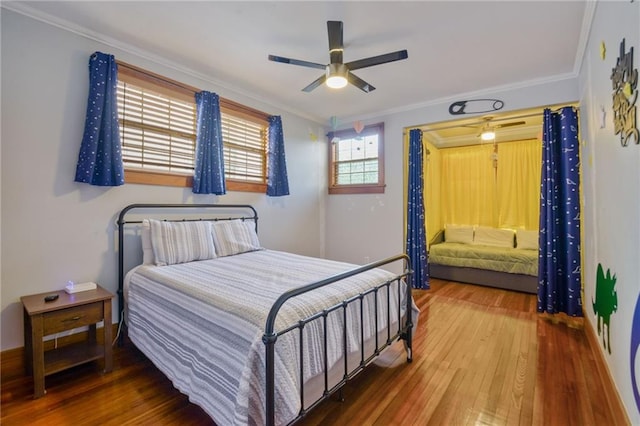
[270, 336]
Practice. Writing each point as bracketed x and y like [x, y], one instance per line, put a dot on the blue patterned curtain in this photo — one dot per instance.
[416, 235]
[100, 158]
[559, 277]
[277, 181]
[208, 174]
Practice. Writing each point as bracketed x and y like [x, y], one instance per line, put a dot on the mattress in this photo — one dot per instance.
[201, 323]
[510, 260]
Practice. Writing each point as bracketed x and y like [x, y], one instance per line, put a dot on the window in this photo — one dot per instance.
[158, 132]
[245, 148]
[356, 164]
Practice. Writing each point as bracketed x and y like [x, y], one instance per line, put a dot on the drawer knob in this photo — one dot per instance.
[76, 318]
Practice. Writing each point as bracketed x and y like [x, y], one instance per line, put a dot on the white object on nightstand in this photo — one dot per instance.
[75, 288]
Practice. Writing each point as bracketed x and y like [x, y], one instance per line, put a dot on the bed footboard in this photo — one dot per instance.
[404, 331]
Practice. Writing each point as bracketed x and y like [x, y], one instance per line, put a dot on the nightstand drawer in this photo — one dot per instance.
[69, 318]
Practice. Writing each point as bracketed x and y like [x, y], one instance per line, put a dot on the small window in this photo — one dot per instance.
[245, 143]
[158, 132]
[356, 163]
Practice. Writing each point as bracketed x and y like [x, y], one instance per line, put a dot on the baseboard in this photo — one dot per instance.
[12, 364]
[613, 397]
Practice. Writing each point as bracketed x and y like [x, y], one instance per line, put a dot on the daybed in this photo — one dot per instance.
[253, 336]
[487, 256]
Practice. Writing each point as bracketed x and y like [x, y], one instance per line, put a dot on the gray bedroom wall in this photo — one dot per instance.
[54, 229]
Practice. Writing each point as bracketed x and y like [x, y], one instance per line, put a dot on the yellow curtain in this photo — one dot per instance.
[518, 184]
[468, 186]
[432, 190]
[463, 187]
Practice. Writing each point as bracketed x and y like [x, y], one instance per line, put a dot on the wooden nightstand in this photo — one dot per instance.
[69, 311]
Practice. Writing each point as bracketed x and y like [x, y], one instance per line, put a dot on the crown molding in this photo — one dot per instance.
[587, 20]
[491, 91]
[25, 10]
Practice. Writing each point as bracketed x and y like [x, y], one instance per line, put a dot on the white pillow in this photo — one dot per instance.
[180, 242]
[527, 240]
[147, 249]
[487, 236]
[458, 234]
[234, 237]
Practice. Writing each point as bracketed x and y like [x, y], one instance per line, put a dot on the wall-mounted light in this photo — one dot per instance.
[336, 76]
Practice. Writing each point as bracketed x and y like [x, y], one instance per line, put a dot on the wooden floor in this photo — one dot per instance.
[481, 357]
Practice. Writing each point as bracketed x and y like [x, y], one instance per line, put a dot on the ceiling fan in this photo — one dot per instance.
[488, 131]
[337, 73]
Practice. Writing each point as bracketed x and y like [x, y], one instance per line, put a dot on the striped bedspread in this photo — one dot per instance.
[201, 323]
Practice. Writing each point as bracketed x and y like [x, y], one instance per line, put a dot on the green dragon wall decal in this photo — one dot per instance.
[605, 304]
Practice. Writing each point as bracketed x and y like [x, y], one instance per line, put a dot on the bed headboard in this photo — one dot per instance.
[132, 215]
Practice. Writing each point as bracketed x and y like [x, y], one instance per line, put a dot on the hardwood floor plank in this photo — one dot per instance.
[530, 352]
[482, 356]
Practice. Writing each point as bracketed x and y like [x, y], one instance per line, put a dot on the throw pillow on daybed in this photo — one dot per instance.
[527, 240]
[487, 236]
[458, 234]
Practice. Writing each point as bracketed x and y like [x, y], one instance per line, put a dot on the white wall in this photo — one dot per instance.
[611, 185]
[54, 229]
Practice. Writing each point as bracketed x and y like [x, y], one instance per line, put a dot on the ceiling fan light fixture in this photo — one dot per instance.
[336, 76]
[487, 134]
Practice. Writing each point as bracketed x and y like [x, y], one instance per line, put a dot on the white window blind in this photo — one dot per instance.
[157, 132]
[244, 149]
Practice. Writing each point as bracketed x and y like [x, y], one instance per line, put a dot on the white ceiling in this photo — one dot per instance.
[456, 49]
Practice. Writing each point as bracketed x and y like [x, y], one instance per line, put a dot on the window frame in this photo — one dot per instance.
[177, 90]
[359, 188]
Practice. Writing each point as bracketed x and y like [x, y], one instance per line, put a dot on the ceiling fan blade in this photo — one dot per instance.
[360, 83]
[336, 46]
[377, 60]
[316, 83]
[296, 62]
[513, 123]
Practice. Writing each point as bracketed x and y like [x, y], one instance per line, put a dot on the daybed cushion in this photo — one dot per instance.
[234, 237]
[180, 242]
[527, 240]
[485, 257]
[458, 234]
[495, 237]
